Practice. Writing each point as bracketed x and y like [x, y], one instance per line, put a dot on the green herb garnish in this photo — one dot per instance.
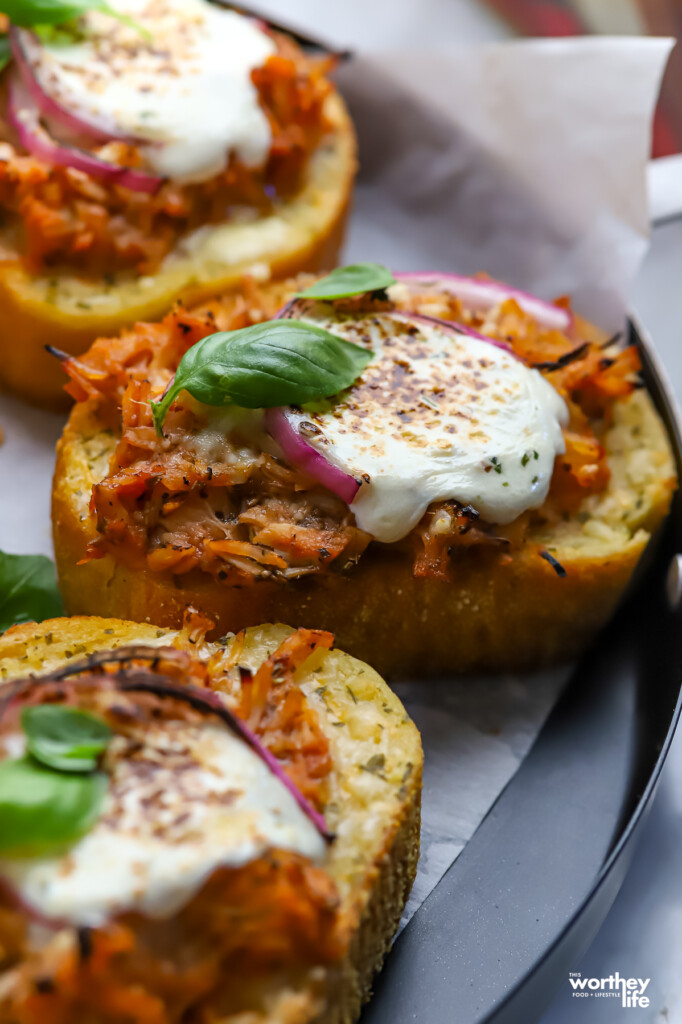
[28, 13]
[375, 765]
[35, 13]
[54, 794]
[280, 362]
[355, 279]
[28, 590]
[41, 809]
[65, 738]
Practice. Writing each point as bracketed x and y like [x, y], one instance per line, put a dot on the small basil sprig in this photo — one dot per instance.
[64, 738]
[280, 362]
[28, 590]
[35, 13]
[54, 794]
[27, 13]
[41, 809]
[351, 280]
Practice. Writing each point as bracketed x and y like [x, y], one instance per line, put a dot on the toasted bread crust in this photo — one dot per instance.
[498, 613]
[306, 234]
[372, 941]
[373, 898]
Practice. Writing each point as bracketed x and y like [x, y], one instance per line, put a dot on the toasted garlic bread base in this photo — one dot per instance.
[62, 310]
[375, 815]
[495, 615]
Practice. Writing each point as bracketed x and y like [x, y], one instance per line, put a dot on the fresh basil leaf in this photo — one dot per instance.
[33, 13]
[28, 590]
[352, 280]
[5, 52]
[280, 362]
[41, 809]
[27, 13]
[64, 738]
[58, 35]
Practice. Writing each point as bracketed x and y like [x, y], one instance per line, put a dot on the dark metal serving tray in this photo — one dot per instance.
[513, 914]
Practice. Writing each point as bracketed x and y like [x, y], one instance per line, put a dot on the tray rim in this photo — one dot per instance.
[623, 845]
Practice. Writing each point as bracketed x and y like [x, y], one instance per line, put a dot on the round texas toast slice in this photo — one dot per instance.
[68, 312]
[370, 801]
[494, 614]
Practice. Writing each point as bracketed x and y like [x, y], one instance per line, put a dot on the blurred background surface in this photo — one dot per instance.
[381, 24]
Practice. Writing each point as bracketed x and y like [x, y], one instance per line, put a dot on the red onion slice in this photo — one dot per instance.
[276, 769]
[288, 310]
[480, 295]
[292, 308]
[138, 181]
[25, 119]
[303, 455]
[449, 325]
[23, 43]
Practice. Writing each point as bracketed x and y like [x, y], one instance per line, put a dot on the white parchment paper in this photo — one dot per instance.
[526, 160]
[476, 732]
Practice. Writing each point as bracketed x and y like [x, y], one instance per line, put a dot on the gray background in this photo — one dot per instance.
[642, 936]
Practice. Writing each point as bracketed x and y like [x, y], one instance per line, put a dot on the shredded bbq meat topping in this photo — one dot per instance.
[276, 913]
[237, 510]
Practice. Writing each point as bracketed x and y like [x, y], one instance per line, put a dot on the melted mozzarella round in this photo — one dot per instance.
[435, 415]
[185, 801]
[187, 92]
